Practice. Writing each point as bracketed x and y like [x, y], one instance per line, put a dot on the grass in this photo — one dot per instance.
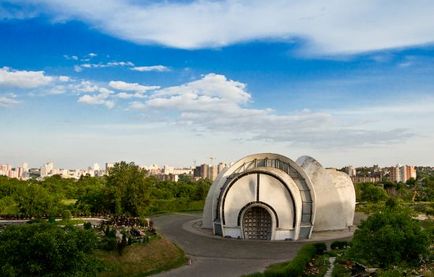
[68, 202]
[292, 268]
[142, 259]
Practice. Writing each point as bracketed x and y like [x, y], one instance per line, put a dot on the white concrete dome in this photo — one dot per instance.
[269, 196]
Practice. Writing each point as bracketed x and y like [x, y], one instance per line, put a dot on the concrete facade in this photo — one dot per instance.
[269, 196]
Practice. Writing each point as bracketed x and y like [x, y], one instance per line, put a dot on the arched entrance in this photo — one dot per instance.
[257, 224]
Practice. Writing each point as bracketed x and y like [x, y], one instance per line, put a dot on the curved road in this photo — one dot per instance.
[220, 257]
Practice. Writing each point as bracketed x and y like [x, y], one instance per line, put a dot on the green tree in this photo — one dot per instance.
[128, 190]
[35, 201]
[47, 250]
[371, 193]
[91, 195]
[201, 189]
[390, 237]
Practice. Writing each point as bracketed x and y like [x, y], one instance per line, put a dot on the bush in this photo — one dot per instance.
[340, 271]
[87, 226]
[175, 205]
[109, 243]
[297, 265]
[339, 245]
[66, 215]
[47, 250]
[390, 237]
[390, 273]
[371, 193]
[320, 247]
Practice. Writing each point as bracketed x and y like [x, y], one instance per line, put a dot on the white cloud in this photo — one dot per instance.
[217, 104]
[8, 101]
[121, 85]
[79, 68]
[73, 57]
[64, 78]
[328, 27]
[206, 93]
[101, 98]
[23, 78]
[158, 68]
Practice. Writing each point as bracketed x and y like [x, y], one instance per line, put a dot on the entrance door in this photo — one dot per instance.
[257, 224]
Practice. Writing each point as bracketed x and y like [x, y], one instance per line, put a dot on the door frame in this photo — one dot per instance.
[269, 211]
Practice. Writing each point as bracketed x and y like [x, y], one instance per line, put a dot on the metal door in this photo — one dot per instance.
[257, 224]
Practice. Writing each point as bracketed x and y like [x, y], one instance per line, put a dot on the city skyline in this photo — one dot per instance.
[79, 83]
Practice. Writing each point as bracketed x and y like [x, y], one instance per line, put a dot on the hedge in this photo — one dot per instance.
[175, 205]
[295, 267]
[339, 244]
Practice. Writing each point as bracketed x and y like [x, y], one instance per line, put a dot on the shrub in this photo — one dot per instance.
[340, 271]
[47, 250]
[87, 226]
[66, 215]
[320, 248]
[390, 237]
[339, 245]
[297, 265]
[122, 244]
[372, 193]
[108, 243]
[390, 273]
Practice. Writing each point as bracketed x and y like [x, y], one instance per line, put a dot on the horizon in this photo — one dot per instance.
[198, 163]
[179, 81]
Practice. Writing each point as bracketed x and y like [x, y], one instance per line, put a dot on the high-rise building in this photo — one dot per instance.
[406, 172]
[213, 171]
[204, 171]
[402, 173]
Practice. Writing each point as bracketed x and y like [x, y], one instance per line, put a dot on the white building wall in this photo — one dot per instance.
[334, 196]
[242, 192]
[272, 192]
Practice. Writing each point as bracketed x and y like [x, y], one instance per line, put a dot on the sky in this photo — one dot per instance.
[177, 82]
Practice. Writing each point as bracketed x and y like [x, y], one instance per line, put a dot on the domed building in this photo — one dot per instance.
[270, 197]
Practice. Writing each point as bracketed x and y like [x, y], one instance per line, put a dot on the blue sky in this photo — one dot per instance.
[176, 81]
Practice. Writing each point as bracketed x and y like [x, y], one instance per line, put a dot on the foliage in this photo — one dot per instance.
[321, 248]
[339, 244]
[370, 192]
[296, 266]
[340, 271]
[173, 205]
[390, 237]
[66, 215]
[47, 250]
[126, 190]
[142, 259]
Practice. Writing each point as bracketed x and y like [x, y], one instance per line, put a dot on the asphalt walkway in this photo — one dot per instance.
[215, 256]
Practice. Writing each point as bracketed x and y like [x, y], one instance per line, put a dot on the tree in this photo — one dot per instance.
[390, 237]
[35, 201]
[91, 195]
[372, 193]
[128, 190]
[47, 250]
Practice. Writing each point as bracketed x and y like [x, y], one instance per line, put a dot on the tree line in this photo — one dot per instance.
[127, 189]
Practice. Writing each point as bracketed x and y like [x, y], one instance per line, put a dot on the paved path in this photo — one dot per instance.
[215, 256]
[212, 256]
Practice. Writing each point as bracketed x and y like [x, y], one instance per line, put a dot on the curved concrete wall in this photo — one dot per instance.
[276, 191]
[328, 195]
[335, 194]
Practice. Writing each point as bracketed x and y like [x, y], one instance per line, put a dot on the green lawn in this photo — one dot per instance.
[142, 259]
